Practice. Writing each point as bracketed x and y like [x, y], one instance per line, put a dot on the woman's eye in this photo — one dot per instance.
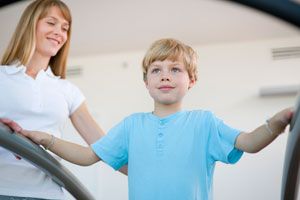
[51, 23]
[65, 29]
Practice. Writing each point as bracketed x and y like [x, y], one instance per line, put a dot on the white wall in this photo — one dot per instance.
[230, 76]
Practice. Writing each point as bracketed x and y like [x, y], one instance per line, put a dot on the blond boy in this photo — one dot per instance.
[170, 152]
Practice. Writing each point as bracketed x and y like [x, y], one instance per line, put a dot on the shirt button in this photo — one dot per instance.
[160, 134]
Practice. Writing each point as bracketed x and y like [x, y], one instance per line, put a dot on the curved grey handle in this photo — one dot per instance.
[285, 10]
[290, 178]
[36, 155]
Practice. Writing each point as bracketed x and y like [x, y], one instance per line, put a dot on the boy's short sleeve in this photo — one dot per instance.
[112, 148]
[221, 142]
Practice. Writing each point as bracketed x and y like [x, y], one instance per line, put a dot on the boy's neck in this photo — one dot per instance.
[165, 110]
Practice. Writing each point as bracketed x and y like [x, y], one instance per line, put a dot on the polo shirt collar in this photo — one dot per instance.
[18, 67]
[15, 68]
[50, 73]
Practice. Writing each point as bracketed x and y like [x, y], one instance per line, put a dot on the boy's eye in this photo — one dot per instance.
[155, 71]
[175, 69]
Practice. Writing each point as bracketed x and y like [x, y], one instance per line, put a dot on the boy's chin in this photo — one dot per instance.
[167, 102]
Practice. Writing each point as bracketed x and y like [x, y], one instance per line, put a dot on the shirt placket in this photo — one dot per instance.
[37, 96]
[160, 138]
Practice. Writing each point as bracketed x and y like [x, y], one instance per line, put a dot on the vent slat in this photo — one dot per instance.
[283, 90]
[74, 71]
[286, 53]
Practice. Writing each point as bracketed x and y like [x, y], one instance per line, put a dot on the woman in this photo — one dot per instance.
[33, 67]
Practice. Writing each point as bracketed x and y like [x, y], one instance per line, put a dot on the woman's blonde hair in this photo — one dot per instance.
[23, 41]
[173, 50]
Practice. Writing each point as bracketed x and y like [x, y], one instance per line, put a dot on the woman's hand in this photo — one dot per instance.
[11, 124]
[14, 127]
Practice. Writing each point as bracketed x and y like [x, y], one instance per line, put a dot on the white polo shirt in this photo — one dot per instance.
[41, 104]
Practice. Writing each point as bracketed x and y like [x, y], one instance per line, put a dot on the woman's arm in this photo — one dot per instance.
[86, 126]
[262, 136]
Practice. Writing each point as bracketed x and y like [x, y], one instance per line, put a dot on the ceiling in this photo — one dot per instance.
[111, 26]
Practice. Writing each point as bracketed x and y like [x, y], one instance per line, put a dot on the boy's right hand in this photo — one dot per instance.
[37, 137]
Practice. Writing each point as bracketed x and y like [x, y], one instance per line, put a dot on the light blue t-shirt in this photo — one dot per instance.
[170, 158]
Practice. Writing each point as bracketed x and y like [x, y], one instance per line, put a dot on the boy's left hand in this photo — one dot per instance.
[282, 119]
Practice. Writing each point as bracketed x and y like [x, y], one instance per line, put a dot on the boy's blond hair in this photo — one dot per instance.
[173, 50]
[23, 44]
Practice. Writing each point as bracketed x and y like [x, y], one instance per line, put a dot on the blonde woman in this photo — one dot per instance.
[36, 96]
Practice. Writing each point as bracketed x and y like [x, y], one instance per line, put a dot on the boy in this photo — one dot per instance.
[170, 152]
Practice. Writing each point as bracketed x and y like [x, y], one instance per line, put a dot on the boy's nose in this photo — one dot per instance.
[165, 76]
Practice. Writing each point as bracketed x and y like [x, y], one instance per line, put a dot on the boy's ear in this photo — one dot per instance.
[192, 83]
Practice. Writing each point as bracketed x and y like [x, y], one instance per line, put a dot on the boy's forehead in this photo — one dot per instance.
[170, 59]
[167, 61]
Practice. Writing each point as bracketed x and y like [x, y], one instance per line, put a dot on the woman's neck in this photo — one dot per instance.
[36, 64]
[162, 110]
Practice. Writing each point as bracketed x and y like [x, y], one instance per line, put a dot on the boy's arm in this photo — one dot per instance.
[256, 140]
[69, 151]
[88, 128]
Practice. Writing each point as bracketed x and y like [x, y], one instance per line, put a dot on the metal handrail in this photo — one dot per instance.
[290, 177]
[40, 158]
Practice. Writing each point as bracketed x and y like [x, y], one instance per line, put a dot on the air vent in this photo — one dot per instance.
[284, 90]
[286, 53]
[74, 71]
